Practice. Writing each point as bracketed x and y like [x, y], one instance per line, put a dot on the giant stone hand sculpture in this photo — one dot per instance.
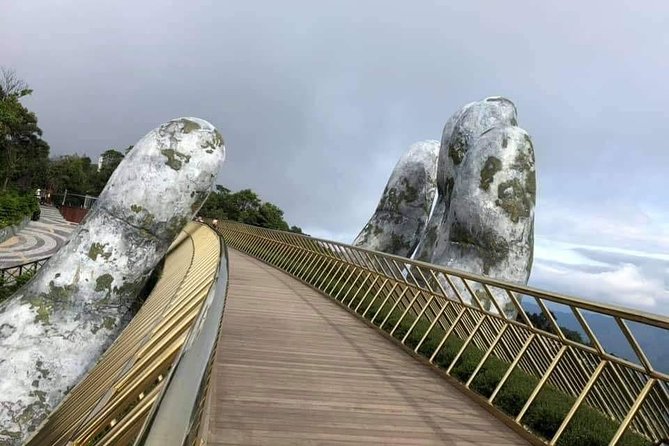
[483, 218]
[398, 223]
[444, 191]
[53, 329]
[490, 225]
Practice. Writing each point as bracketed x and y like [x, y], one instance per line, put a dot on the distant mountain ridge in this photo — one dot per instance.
[653, 341]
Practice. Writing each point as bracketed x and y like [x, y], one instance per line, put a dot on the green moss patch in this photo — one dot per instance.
[457, 148]
[489, 247]
[490, 168]
[189, 126]
[104, 282]
[214, 143]
[175, 159]
[513, 199]
[98, 249]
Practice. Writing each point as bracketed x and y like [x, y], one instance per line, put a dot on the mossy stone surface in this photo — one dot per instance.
[403, 210]
[57, 325]
[483, 219]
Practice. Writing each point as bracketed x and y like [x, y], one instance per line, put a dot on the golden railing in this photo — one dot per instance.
[455, 321]
[129, 396]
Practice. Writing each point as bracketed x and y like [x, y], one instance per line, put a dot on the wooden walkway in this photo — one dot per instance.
[293, 367]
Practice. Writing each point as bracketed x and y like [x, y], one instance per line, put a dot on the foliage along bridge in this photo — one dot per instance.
[326, 343]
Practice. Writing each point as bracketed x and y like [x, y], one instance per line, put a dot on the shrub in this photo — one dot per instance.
[14, 207]
[7, 290]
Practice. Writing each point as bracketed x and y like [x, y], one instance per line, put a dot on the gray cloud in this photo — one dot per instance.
[628, 285]
[317, 102]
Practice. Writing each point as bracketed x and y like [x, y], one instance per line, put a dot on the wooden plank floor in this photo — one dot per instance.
[293, 367]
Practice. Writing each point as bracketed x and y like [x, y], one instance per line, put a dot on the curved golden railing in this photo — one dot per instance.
[175, 329]
[454, 321]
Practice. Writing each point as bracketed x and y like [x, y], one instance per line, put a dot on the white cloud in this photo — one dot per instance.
[342, 237]
[625, 226]
[625, 284]
[609, 251]
[562, 252]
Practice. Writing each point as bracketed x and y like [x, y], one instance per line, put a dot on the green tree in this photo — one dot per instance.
[270, 216]
[22, 150]
[539, 320]
[72, 172]
[217, 205]
[244, 206]
[110, 160]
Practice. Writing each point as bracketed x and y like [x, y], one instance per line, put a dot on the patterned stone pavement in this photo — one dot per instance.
[37, 240]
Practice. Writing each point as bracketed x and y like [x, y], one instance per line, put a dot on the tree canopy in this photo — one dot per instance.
[244, 206]
[110, 159]
[78, 174]
[540, 320]
[23, 152]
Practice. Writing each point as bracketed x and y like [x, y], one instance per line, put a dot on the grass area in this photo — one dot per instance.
[588, 427]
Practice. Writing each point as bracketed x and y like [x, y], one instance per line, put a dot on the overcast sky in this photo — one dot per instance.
[317, 103]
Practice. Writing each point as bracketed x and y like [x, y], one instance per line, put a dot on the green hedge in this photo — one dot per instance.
[14, 207]
[588, 427]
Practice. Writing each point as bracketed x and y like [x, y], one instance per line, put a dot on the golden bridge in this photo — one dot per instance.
[255, 336]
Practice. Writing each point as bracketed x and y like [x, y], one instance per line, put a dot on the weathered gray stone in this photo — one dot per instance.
[399, 221]
[54, 328]
[482, 221]
[432, 229]
[487, 226]
[460, 132]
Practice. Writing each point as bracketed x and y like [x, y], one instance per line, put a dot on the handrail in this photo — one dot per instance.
[175, 419]
[454, 321]
[171, 335]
